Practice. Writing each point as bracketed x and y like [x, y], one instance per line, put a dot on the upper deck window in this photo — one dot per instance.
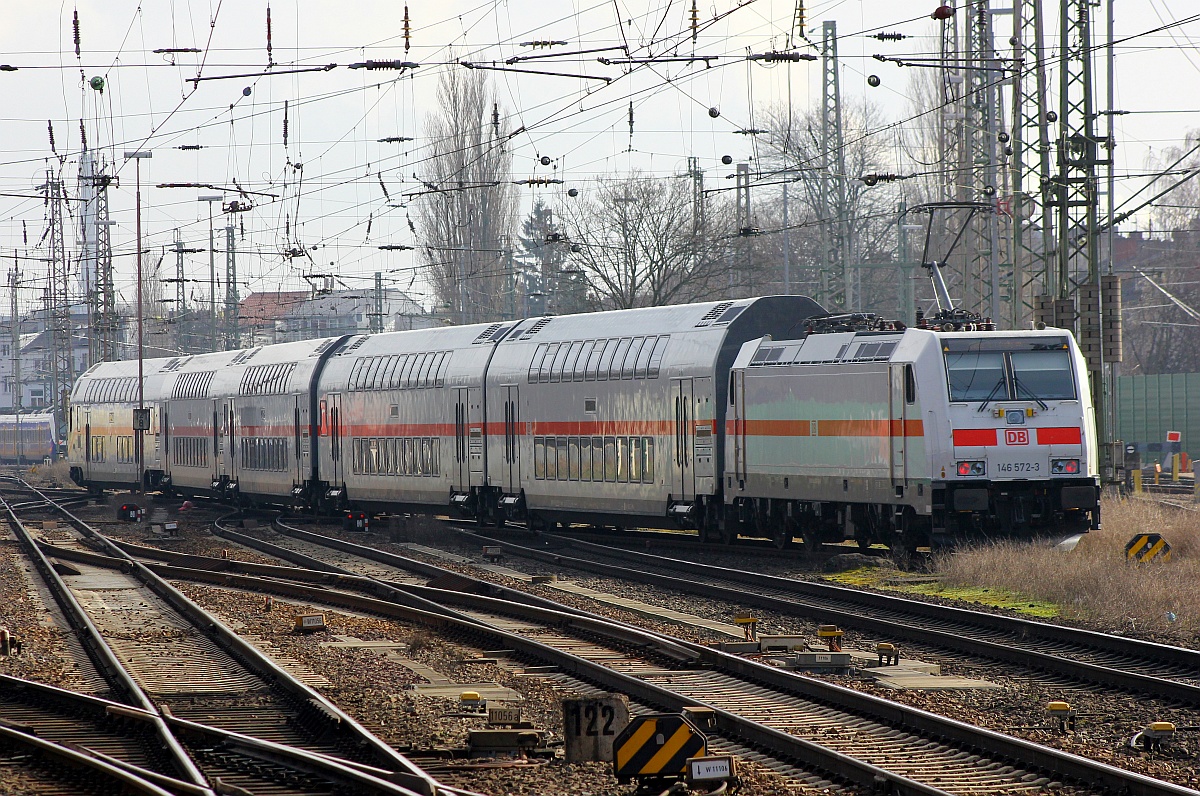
[1012, 369]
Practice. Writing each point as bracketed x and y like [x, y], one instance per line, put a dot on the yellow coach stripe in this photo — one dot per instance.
[664, 755]
[634, 742]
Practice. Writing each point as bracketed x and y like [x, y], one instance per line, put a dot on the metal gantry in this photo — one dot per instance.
[58, 300]
[1033, 239]
[96, 261]
[837, 283]
[231, 291]
[984, 111]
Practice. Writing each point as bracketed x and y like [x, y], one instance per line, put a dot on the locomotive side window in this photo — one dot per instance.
[910, 385]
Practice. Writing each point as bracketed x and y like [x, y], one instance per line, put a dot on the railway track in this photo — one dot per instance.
[757, 704]
[1129, 665]
[222, 710]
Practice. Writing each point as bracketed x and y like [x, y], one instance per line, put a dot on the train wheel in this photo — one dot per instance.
[781, 536]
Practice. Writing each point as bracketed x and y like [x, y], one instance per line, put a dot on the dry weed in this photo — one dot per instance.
[1093, 584]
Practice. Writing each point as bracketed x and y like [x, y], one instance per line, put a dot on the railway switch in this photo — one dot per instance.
[472, 701]
[889, 654]
[1063, 714]
[748, 622]
[832, 635]
[1157, 735]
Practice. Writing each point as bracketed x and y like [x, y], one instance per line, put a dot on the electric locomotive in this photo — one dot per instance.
[866, 430]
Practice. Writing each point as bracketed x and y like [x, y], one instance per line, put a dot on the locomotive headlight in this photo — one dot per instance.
[1064, 466]
[972, 468]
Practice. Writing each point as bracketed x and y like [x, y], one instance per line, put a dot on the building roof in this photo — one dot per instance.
[262, 308]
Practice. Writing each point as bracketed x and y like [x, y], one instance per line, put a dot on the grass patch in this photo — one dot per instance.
[1093, 583]
[997, 597]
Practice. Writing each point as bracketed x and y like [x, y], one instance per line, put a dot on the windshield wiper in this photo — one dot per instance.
[991, 395]
[1029, 392]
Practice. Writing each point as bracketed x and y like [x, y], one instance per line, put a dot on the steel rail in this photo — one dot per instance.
[92, 708]
[777, 742]
[795, 603]
[105, 659]
[405, 772]
[123, 781]
[918, 721]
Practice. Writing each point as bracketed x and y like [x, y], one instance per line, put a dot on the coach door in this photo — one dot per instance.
[300, 441]
[475, 438]
[337, 439]
[897, 427]
[220, 433]
[683, 486]
[461, 477]
[87, 443]
[512, 441]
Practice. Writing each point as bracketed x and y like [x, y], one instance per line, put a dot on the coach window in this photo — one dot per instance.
[551, 459]
[397, 376]
[610, 459]
[593, 363]
[627, 367]
[648, 461]
[564, 464]
[643, 360]
[548, 363]
[579, 366]
[435, 369]
[585, 459]
[535, 364]
[614, 371]
[610, 350]
[539, 457]
[635, 459]
[560, 359]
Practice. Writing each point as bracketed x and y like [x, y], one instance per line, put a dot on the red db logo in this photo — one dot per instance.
[1016, 436]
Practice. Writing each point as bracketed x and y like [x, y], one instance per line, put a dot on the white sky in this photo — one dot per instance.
[336, 117]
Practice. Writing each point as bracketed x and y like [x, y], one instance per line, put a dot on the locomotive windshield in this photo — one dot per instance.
[1014, 369]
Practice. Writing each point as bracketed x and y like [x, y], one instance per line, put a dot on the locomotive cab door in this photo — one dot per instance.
[683, 482]
[512, 441]
[899, 399]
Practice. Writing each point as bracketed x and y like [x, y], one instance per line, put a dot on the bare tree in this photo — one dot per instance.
[791, 149]
[471, 203]
[635, 240]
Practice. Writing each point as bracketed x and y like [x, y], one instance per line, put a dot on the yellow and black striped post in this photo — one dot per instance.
[657, 747]
[1147, 547]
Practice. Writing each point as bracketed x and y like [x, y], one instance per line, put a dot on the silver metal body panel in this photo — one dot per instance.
[809, 421]
[615, 413]
[409, 424]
